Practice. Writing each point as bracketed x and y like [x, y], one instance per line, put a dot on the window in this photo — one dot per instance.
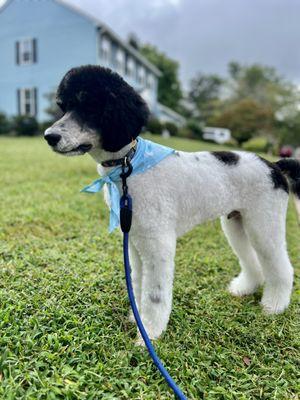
[120, 61]
[141, 75]
[27, 101]
[105, 50]
[130, 67]
[150, 81]
[26, 51]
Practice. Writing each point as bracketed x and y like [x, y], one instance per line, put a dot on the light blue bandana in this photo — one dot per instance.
[146, 156]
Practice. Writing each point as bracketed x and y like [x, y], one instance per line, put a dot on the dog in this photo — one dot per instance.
[102, 115]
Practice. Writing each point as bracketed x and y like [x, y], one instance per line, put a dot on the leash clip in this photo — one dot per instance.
[126, 172]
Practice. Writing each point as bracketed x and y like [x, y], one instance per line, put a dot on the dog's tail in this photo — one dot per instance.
[291, 168]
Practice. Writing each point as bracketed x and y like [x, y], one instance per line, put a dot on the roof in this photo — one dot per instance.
[5, 4]
[172, 113]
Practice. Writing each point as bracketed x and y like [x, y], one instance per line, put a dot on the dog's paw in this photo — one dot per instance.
[242, 285]
[153, 336]
[275, 300]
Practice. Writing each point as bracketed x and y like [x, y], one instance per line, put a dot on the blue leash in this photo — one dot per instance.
[125, 222]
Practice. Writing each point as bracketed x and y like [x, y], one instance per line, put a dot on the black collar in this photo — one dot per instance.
[120, 161]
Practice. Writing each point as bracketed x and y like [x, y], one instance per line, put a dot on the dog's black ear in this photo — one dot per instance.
[123, 118]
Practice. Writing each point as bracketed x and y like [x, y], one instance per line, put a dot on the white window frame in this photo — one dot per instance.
[22, 51]
[105, 49]
[29, 102]
[120, 60]
[150, 80]
[131, 66]
[141, 75]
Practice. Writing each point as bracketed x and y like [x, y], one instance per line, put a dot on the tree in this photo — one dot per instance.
[4, 124]
[53, 110]
[264, 85]
[169, 90]
[254, 100]
[289, 130]
[246, 118]
[25, 125]
[205, 94]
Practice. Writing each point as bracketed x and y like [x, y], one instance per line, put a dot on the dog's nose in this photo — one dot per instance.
[52, 138]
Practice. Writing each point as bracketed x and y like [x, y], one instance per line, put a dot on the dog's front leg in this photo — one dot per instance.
[157, 256]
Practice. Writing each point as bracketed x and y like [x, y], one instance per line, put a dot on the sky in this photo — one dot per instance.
[204, 35]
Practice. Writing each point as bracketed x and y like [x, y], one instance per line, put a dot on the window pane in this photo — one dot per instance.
[26, 46]
[27, 109]
[28, 101]
[26, 50]
[26, 56]
[130, 67]
[27, 94]
[105, 49]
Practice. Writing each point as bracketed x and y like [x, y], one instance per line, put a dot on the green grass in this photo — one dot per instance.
[63, 304]
[186, 145]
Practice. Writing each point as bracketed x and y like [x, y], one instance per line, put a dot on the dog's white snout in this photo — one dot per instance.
[48, 131]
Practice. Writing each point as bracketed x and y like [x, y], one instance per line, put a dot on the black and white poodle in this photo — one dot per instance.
[102, 116]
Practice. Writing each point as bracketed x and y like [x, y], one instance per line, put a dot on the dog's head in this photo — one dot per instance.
[100, 111]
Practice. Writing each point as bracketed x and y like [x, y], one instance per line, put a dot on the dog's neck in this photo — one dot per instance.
[100, 155]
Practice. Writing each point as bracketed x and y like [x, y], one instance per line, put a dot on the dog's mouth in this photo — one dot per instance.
[81, 149]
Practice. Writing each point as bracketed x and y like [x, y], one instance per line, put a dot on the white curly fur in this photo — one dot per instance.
[184, 190]
[187, 189]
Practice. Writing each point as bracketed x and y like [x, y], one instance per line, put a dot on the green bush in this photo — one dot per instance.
[185, 133]
[171, 128]
[257, 144]
[24, 125]
[192, 130]
[4, 124]
[195, 129]
[232, 143]
[154, 126]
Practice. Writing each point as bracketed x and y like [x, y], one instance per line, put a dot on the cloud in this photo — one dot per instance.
[204, 35]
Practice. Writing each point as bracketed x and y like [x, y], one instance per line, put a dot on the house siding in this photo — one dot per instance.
[60, 34]
[63, 37]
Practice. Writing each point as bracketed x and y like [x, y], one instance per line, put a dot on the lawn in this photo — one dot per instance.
[63, 302]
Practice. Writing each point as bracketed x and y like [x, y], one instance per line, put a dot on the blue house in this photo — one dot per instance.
[41, 39]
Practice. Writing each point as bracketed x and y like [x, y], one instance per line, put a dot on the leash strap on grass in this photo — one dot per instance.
[125, 219]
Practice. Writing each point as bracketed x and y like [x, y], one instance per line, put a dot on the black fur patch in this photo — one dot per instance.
[227, 157]
[291, 168]
[278, 179]
[155, 298]
[234, 214]
[101, 100]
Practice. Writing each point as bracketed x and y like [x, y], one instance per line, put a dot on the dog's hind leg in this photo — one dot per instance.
[136, 276]
[267, 235]
[157, 254]
[250, 277]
